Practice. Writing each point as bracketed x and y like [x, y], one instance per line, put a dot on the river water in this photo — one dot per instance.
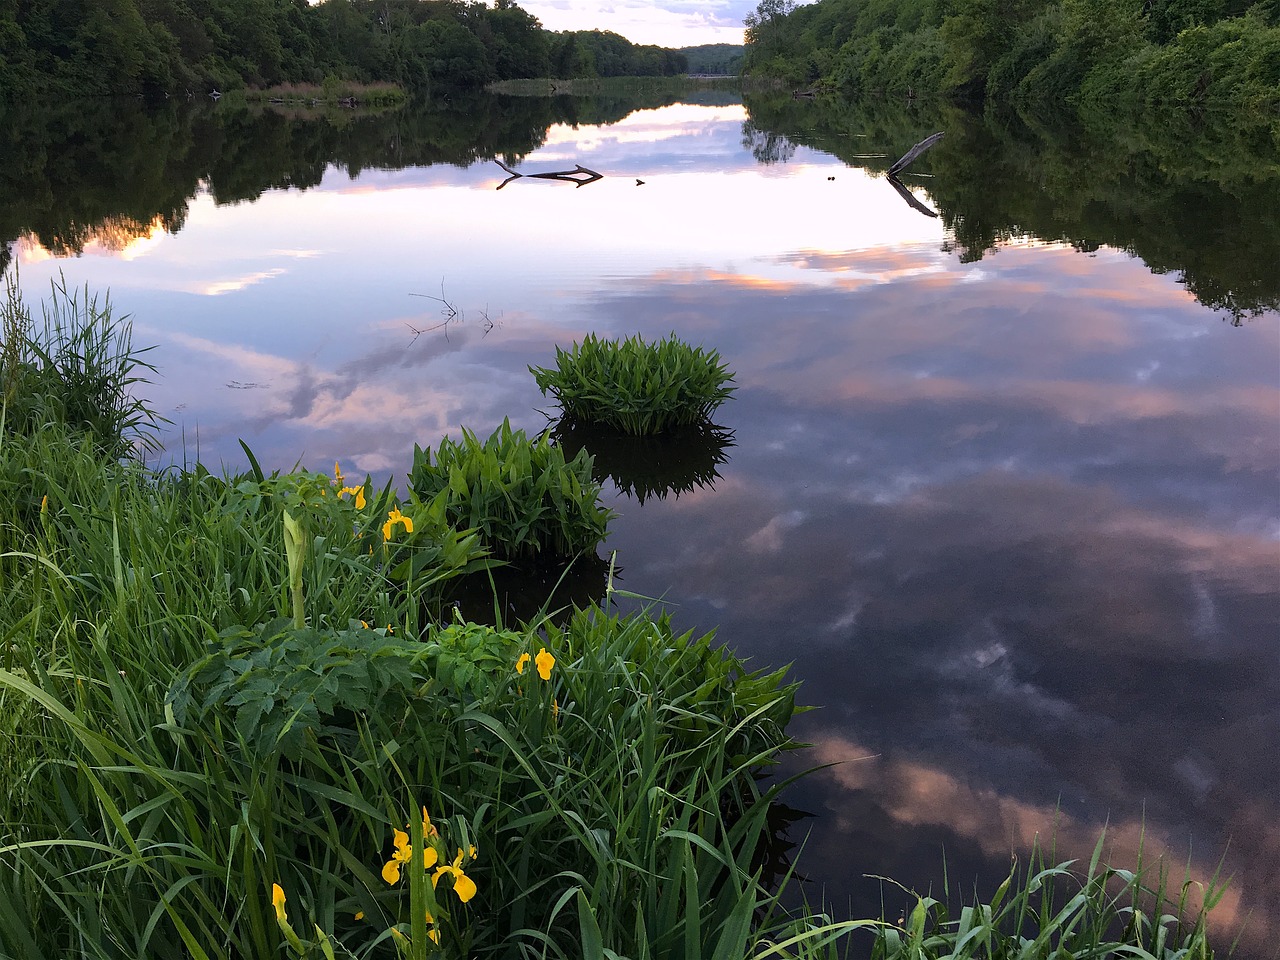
[1003, 484]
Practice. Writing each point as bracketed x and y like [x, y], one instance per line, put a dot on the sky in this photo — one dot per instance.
[667, 23]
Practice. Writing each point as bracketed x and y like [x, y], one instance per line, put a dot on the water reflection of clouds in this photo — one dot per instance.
[1066, 576]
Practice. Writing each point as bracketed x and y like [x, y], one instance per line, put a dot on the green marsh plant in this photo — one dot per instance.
[77, 367]
[520, 494]
[635, 387]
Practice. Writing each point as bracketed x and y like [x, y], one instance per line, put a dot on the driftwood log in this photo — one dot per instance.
[578, 176]
[914, 152]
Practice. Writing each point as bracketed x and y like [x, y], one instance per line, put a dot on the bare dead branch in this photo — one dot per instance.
[915, 151]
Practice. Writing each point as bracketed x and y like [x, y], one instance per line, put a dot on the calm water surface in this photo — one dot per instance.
[1014, 519]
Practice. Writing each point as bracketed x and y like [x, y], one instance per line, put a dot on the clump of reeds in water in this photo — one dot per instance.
[636, 387]
[521, 494]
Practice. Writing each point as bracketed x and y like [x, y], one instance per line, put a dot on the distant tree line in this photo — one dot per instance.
[98, 47]
[722, 59]
[1029, 52]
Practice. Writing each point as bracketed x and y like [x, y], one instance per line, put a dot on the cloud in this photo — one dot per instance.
[677, 23]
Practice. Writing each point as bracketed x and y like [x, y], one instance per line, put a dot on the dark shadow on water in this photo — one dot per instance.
[650, 467]
[523, 593]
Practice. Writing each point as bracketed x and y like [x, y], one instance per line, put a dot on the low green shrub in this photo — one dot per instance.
[636, 387]
[521, 495]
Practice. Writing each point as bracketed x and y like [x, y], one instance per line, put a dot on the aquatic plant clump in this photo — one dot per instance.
[521, 495]
[636, 387]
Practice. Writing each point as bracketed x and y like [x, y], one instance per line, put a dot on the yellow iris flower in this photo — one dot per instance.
[403, 852]
[357, 492]
[521, 662]
[463, 885]
[545, 662]
[394, 517]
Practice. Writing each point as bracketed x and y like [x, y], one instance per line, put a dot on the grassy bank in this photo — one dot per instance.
[331, 92]
[240, 720]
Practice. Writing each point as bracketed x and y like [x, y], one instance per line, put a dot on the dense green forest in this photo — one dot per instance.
[723, 59]
[1034, 53]
[180, 47]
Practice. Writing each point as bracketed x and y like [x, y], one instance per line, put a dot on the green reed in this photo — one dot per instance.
[77, 367]
[521, 495]
[1044, 911]
[636, 387]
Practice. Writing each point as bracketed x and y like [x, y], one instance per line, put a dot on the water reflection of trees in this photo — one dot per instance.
[73, 170]
[1187, 194]
[766, 146]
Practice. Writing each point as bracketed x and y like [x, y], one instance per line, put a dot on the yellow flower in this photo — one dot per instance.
[277, 901]
[463, 885]
[403, 852]
[545, 662]
[337, 472]
[555, 711]
[520, 663]
[359, 915]
[357, 492]
[44, 504]
[394, 517]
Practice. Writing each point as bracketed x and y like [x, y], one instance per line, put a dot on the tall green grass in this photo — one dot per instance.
[636, 387]
[77, 367]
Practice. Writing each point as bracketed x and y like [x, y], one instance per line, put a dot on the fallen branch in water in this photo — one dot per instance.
[578, 176]
[915, 151]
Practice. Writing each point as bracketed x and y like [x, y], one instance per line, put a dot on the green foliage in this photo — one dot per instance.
[471, 659]
[1033, 52]
[79, 368]
[714, 58]
[602, 53]
[521, 495]
[99, 47]
[636, 387]
[280, 684]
